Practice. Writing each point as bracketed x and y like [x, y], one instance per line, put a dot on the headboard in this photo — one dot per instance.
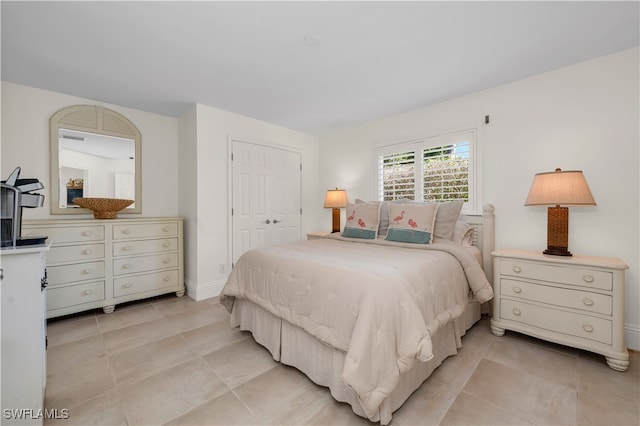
[483, 236]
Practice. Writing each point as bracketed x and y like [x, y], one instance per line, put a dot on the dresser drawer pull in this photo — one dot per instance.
[166, 279]
[87, 252]
[517, 312]
[87, 292]
[87, 233]
[588, 278]
[588, 328]
[587, 301]
[165, 245]
[165, 261]
[126, 248]
[165, 229]
[127, 285]
[126, 266]
[126, 231]
[517, 290]
[87, 271]
[517, 269]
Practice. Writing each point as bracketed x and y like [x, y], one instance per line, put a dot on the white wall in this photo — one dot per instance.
[25, 143]
[583, 117]
[208, 240]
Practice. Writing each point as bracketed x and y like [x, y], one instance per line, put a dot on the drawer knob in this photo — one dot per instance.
[587, 301]
[165, 245]
[165, 261]
[126, 266]
[166, 279]
[588, 328]
[517, 312]
[127, 285]
[87, 252]
[517, 269]
[87, 271]
[165, 229]
[588, 278]
[126, 231]
[517, 290]
[87, 233]
[87, 292]
[126, 248]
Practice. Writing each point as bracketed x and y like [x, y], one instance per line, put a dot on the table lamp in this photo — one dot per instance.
[568, 188]
[336, 199]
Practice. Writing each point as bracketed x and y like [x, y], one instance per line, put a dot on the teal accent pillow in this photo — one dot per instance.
[412, 223]
[362, 220]
[408, 236]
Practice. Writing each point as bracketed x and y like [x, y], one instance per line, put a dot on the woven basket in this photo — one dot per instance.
[103, 208]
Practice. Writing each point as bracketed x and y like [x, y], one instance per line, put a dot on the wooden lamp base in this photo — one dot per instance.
[336, 220]
[558, 231]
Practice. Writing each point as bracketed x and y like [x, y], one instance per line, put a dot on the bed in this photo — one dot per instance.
[368, 318]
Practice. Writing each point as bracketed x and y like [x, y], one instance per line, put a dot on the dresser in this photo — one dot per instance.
[576, 301]
[101, 263]
[22, 279]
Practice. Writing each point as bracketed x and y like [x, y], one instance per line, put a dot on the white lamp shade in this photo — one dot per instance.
[336, 199]
[567, 188]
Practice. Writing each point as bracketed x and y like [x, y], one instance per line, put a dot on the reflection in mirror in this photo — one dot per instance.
[95, 152]
[93, 165]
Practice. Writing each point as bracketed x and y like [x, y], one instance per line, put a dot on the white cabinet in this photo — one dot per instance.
[576, 301]
[100, 263]
[23, 335]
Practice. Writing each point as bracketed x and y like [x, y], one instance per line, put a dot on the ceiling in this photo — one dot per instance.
[309, 66]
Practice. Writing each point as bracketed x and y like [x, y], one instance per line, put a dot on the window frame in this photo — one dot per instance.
[418, 146]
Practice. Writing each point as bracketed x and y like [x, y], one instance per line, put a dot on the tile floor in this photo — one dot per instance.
[176, 361]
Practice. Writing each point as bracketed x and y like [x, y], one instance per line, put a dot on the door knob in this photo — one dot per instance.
[267, 221]
[276, 221]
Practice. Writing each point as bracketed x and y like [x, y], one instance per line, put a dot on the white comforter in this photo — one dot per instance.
[379, 302]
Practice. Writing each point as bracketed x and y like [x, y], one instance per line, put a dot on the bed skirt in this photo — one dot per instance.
[323, 364]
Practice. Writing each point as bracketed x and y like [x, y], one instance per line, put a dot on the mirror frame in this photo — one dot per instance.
[91, 119]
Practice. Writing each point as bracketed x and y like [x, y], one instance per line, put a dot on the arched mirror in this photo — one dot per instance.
[95, 152]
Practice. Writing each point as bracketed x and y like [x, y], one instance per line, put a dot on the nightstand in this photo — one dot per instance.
[316, 235]
[576, 301]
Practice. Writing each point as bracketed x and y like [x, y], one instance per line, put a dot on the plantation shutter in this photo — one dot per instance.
[397, 175]
[446, 172]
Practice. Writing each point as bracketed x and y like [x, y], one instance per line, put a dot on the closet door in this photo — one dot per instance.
[266, 197]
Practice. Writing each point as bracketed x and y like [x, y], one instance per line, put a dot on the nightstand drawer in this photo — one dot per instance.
[577, 299]
[572, 324]
[558, 274]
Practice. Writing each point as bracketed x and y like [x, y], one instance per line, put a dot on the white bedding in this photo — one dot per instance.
[377, 301]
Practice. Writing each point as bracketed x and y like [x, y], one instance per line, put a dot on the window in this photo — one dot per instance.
[438, 168]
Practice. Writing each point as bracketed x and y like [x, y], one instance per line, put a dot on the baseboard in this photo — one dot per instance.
[203, 290]
[632, 336]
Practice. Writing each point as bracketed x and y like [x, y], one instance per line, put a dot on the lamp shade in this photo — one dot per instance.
[336, 199]
[567, 188]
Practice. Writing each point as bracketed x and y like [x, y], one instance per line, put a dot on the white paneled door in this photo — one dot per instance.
[266, 199]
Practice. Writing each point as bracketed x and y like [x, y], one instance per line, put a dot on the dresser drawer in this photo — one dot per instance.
[79, 252]
[69, 234]
[145, 230]
[148, 282]
[76, 272]
[572, 324]
[577, 299]
[129, 265]
[63, 297]
[558, 274]
[127, 248]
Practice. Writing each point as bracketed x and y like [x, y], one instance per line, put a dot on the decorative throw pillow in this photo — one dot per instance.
[362, 220]
[384, 216]
[412, 223]
[446, 218]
